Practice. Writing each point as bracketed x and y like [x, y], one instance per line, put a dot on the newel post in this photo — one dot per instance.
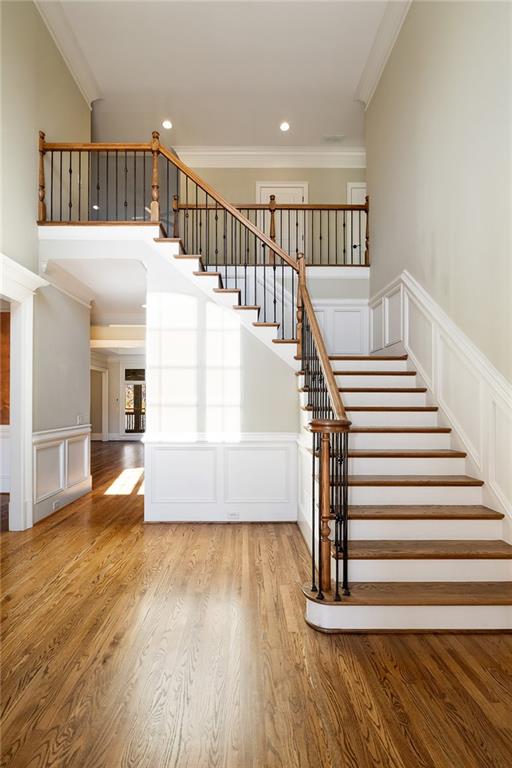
[367, 234]
[155, 189]
[41, 208]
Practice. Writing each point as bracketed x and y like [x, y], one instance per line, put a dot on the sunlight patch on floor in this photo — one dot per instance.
[126, 482]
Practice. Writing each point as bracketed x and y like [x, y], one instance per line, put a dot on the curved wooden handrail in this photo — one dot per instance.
[325, 363]
[223, 203]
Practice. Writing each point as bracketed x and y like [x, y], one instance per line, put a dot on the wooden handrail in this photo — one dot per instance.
[95, 147]
[278, 207]
[211, 192]
[325, 363]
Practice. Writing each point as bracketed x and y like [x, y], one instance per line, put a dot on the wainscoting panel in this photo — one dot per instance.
[344, 324]
[473, 397]
[61, 468]
[253, 479]
[5, 459]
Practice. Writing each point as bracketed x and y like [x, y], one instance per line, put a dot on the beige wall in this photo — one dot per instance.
[438, 153]
[38, 93]
[326, 185]
[61, 361]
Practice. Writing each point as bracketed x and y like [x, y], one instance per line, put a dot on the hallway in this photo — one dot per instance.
[184, 645]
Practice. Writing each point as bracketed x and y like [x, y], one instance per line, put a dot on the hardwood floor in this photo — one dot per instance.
[150, 646]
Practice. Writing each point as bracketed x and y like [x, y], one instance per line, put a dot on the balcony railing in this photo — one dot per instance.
[134, 421]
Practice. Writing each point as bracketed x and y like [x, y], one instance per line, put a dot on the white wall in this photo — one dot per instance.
[438, 152]
[37, 93]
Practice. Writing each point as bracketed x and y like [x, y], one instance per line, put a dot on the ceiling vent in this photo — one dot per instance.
[335, 139]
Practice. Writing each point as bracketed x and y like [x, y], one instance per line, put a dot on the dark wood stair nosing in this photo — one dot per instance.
[467, 593]
[413, 481]
[427, 549]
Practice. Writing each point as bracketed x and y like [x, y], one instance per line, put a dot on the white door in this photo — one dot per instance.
[356, 223]
[289, 224]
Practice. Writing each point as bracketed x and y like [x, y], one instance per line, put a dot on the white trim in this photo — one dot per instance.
[60, 433]
[134, 437]
[385, 39]
[5, 455]
[61, 32]
[226, 438]
[120, 343]
[16, 282]
[83, 302]
[272, 157]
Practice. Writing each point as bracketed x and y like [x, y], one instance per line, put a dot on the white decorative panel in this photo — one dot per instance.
[377, 326]
[49, 469]
[5, 460]
[501, 451]
[348, 332]
[459, 394]
[78, 464]
[420, 336]
[181, 474]
[256, 474]
[393, 313]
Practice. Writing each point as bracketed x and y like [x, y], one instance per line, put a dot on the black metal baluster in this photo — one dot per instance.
[216, 234]
[314, 587]
[125, 185]
[60, 184]
[79, 186]
[144, 186]
[97, 185]
[196, 224]
[351, 237]
[170, 233]
[117, 185]
[360, 260]
[51, 185]
[89, 184]
[225, 237]
[70, 178]
[135, 186]
[344, 238]
[106, 188]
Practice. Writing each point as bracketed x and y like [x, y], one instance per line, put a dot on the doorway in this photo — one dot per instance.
[289, 225]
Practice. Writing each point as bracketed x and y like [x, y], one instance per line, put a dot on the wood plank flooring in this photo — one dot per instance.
[149, 646]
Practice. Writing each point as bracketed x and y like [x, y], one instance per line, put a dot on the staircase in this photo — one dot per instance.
[424, 553]
[400, 538]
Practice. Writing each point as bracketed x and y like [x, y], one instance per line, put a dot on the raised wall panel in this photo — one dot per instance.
[184, 474]
[5, 459]
[348, 332]
[256, 474]
[377, 326]
[77, 460]
[49, 469]
[459, 394]
[419, 337]
[393, 317]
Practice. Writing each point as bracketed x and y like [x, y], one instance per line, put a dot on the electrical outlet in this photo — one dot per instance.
[55, 505]
[79, 419]
[233, 515]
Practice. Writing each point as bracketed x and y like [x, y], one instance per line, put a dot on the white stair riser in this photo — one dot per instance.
[208, 284]
[369, 365]
[403, 466]
[415, 399]
[413, 617]
[425, 529]
[399, 494]
[393, 418]
[398, 440]
[226, 299]
[376, 381]
[430, 570]
[187, 266]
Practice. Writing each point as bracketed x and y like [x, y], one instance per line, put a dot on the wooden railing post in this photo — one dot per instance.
[155, 189]
[176, 213]
[367, 234]
[324, 564]
[41, 208]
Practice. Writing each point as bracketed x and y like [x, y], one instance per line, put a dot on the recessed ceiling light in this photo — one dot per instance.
[96, 207]
[167, 125]
[143, 306]
[285, 126]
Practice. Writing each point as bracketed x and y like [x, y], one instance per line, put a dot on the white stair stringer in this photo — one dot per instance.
[208, 283]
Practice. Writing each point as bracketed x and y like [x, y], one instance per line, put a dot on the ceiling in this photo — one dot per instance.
[225, 73]
[116, 288]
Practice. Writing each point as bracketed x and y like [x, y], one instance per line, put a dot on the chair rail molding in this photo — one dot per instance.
[473, 396]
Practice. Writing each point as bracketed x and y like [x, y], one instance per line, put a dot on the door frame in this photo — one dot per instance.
[303, 184]
[125, 363]
[104, 401]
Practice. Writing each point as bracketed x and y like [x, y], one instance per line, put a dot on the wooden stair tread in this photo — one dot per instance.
[247, 306]
[393, 408]
[413, 480]
[422, 593]
[406, 430]
[374, 373]
[368, 357]
[284, 341]
[204, 273]
[382, 389]
[406, 453]
[266, 325]
[434, 549]
[424, 512]
[225, 290]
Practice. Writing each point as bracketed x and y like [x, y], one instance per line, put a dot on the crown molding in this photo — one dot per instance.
[62, 34]
[272, 157]
[385, 39]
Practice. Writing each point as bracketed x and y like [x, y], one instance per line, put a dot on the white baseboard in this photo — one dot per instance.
[62, 470]
[131, 438]
[473, 396]
[251, 480]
